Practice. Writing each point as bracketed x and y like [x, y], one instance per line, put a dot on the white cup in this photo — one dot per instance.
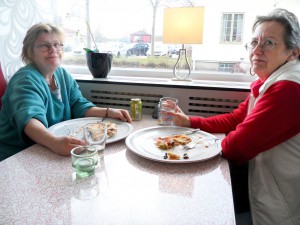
[166, 104]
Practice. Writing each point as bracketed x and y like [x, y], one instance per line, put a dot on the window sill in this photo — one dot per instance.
[146, 77]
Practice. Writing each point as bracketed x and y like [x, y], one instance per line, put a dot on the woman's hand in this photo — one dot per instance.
[179, 118]
[37, 132]
[121, 114]
[64, 145]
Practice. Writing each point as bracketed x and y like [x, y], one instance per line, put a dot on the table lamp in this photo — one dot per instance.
[183, 25]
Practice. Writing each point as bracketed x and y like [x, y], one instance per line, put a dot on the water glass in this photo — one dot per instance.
[85, 188]
[84, 160]
[166, 104]
[95, 134]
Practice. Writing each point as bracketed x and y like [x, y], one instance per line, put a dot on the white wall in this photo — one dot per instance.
[16, 17]
[212, 49]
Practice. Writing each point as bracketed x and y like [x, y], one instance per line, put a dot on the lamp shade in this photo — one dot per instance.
[183, 25]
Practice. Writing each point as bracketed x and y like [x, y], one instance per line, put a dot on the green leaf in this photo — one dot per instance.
[87, 50]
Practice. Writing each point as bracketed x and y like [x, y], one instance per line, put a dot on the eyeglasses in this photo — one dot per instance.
[47, 46]
[267, 45]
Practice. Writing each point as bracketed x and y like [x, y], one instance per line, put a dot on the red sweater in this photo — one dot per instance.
[274, 119]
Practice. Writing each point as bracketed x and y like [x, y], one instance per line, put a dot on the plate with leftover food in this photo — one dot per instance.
[116, 129]
[172, 144]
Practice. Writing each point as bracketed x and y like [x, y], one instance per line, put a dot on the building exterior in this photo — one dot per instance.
[227, 28]
[140, 37]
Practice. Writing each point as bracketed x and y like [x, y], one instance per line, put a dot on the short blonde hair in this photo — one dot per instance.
[31, 36]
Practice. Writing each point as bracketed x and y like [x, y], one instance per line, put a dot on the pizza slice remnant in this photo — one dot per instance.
[169, 142]
[112, 129]
[95, 131]
[173, 156]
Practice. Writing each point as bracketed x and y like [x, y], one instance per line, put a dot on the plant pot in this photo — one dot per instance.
[99, 64]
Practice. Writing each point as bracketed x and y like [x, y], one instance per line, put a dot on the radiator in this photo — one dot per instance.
[202, 102]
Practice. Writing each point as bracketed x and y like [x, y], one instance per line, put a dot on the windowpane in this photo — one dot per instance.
[233, 27]
[225, 67]
[118, 26]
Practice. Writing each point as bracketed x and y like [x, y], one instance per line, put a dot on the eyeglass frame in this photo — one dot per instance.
[250, 46]
[47, 46]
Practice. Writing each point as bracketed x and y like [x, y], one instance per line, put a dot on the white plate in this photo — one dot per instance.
[142, 143]
[74, 128]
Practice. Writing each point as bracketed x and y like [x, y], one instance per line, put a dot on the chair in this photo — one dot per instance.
[2, 86]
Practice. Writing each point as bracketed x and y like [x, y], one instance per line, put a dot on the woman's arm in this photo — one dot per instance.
[223, 123]
[121, 114]
[273, 120]
[37, 132]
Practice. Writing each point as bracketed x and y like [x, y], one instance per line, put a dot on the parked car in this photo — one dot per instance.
[159, 50]
[119, 49]
[138, 49]
[67, 48]
[173, 50]
[78, 50]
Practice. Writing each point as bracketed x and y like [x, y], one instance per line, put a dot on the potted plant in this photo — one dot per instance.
[98, 63]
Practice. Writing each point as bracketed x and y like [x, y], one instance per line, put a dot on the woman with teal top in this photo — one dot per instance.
[42, 94]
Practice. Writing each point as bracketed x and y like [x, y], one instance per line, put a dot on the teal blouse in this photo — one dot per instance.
[29, 96]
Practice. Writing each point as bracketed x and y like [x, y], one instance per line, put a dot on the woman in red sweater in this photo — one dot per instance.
[264, 130]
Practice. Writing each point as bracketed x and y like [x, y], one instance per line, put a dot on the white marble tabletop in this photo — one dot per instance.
[40, 187]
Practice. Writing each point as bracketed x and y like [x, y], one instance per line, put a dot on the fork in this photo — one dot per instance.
[193, 145]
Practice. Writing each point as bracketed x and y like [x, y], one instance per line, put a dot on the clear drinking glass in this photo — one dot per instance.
[166, 104]
[84, 160]
[95, 134]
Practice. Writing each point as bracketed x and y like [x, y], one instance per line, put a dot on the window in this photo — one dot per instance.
[225, 67]
[137, 31]
[232, 27]
[118, 25]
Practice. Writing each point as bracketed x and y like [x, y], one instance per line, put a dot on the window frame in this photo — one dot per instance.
[234, 24]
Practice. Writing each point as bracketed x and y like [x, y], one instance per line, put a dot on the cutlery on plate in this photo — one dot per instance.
[187, 132]
[193, 145]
